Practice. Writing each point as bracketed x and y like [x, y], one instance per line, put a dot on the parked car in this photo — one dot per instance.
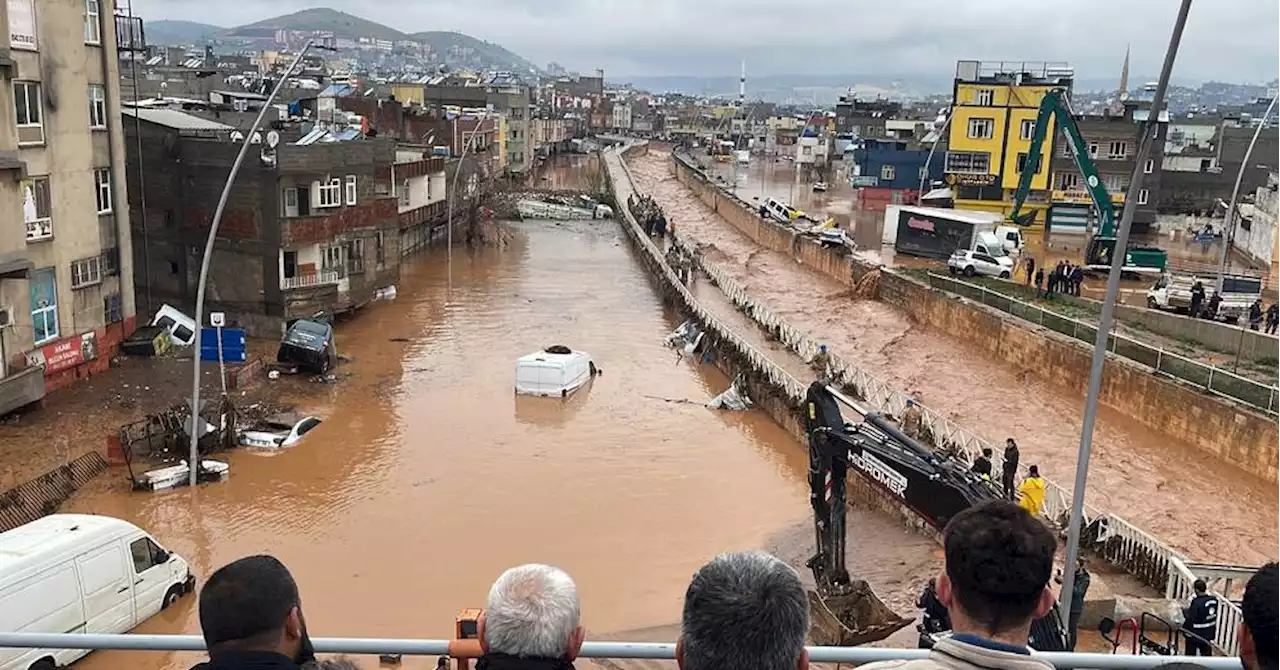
[277, 432]
[308, 345]
[970, 263]
[82, 573]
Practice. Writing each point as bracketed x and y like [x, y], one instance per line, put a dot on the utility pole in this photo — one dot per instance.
[1149, 131]
[194, 460]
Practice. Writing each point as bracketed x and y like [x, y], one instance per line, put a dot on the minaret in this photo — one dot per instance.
[742, 87]
[1122, 93]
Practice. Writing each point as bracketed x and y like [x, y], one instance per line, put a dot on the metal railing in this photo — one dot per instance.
[1207, 377]
[1118, 541]
[615, 650]
[313, 279]
[1230, 616]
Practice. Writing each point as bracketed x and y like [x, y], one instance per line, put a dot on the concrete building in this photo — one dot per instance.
[994, 108]
[513, 101]
[310, 227]
[1203, 156]
[420, 181]
[1112, 141]
[864, 118]
[66, 289]
[1256, 235]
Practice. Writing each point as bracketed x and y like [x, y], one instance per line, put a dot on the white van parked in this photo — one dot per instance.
[556, 371]
[81, 573]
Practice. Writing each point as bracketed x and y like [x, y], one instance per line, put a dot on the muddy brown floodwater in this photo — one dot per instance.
[429, 476]
[1208, 510]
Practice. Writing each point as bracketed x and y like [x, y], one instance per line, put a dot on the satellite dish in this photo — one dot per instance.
[257, 138]
[273, 139]
[237, 136]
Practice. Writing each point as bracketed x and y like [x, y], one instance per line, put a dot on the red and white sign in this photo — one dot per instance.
[70, 352]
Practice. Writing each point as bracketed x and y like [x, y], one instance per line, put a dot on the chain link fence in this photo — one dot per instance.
[1211, 378]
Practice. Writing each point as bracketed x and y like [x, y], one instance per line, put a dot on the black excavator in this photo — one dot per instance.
[845, 611]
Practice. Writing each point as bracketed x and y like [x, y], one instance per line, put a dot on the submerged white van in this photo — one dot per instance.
[81, 573]
[554, 371]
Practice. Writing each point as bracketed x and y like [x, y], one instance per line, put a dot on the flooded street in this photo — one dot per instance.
[1206, 509]
[429, 476]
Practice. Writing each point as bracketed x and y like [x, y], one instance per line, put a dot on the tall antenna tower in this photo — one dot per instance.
[742, 87]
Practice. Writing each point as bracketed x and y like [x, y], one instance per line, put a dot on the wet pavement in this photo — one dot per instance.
[1208, 510]
[429, 476]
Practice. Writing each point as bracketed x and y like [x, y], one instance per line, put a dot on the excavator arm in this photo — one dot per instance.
[1054, 107]
[845, 611]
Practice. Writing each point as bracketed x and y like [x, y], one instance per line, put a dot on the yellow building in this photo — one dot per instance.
[407, 93]
[994, 109]
[501, 142]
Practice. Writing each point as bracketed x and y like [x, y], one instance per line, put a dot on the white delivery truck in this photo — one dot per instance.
[933, 232]
[81, 573]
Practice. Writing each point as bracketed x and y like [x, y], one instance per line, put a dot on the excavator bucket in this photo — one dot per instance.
[853, 618]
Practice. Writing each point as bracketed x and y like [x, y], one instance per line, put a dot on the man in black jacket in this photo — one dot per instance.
[251, 618]
[1010, 472]
[982, 464]
[1200, 620]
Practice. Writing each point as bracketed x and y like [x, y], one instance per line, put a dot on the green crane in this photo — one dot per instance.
[1098, 254]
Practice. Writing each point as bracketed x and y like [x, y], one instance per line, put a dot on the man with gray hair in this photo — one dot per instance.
[532, 621]
[744, 611]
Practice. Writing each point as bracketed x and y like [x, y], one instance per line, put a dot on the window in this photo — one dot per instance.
[35, 208]
[985, 97]
[113, 308]
[1022, 163]
[291, 201]
[44, 305]
[111, 262]
[329, 193]
[102, 182]
[91, 29]
[1027, 129]
[1068, 181]
[404, 194]
[1115, 183]
[924, 173]
[332, 258]
[1142, 196]
[97, 107]
[972, 162]
[351, 189]
[888, 172]
[86, 272]
[26, 105]
[380, 249]
[146, 554]
[1093, 150]
[355, 256]
[1118, 150]
[1149, 165]
[981, 129]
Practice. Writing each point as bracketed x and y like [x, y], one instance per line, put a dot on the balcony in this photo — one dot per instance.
[325, 276]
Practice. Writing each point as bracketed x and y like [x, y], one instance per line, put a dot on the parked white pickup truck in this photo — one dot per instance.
[1172, 292]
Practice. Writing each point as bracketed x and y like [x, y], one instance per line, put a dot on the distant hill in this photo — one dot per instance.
[487, 54]
[321, 18]
[180, 32]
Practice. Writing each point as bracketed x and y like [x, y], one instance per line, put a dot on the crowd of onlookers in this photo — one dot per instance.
[742, 611]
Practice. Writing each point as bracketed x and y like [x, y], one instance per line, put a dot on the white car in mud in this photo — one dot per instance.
[274, 433]
[970, 263]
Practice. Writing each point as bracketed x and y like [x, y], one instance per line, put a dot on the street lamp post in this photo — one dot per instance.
[194, 462]
[467, 139]
[1230, 233]
[1149, 130]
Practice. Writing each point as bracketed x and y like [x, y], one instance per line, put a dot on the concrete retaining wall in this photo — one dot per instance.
[1230, 432]
[41, 496]
[1253, 345]
[773, 390]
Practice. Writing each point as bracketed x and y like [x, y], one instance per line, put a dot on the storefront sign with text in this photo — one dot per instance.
[968, 179]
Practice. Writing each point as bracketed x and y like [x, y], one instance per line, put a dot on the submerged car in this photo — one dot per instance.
[277, 432]
[554, 371]
[308, 345]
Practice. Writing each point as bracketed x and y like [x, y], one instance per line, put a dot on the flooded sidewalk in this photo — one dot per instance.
[1205, 509]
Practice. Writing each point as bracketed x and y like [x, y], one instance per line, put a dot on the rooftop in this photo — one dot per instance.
[172, 118]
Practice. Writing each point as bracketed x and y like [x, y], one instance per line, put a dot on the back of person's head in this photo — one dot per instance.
[1033, 471]
[329, 664]
[999, 560]
[1200, 586]
[986, 451]
[1260, 633]
[744, 611]
[533, 612]
[253, 604]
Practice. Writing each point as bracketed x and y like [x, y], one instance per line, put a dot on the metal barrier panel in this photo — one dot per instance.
[644, 650]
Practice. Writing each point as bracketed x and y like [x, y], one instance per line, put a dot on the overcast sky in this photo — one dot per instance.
[1226, 40]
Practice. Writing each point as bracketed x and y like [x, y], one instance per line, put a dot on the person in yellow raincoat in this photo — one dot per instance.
[1031, 491]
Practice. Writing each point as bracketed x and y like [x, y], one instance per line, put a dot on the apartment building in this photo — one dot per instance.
[312, 223]
[994, 107]
[1112, 141]
[66, 289]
